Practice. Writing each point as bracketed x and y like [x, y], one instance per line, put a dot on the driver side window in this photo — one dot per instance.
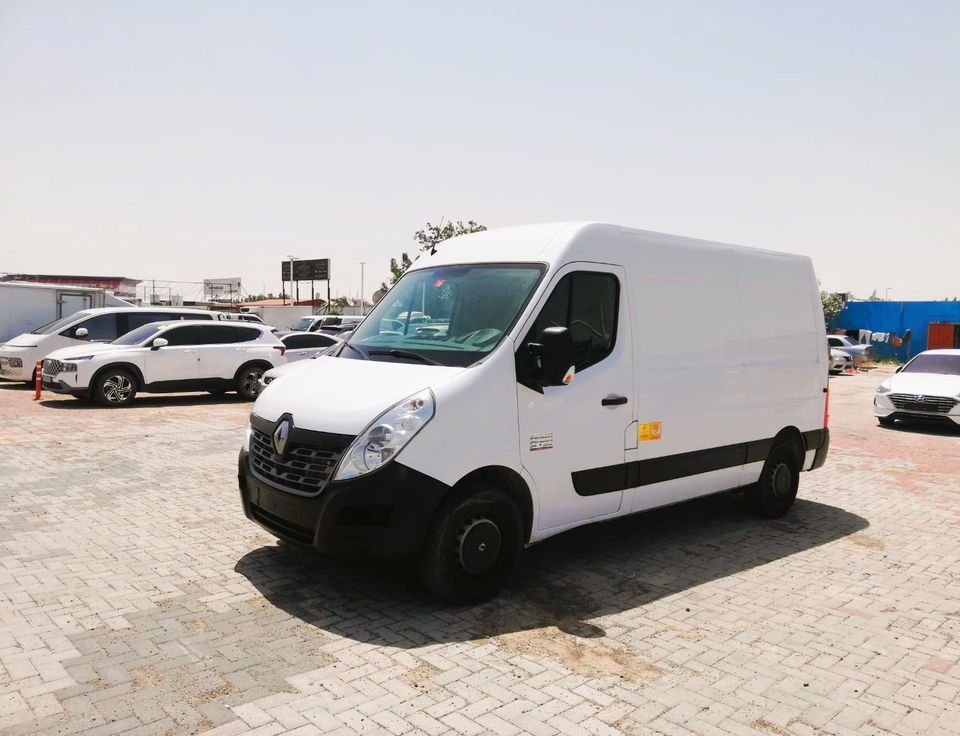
[586, 303]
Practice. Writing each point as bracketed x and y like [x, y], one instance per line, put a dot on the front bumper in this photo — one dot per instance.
[884, 408]
[16, 373]
[385, 514]
[59, 386]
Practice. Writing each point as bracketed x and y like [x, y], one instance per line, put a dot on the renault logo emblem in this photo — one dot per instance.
[280, 435]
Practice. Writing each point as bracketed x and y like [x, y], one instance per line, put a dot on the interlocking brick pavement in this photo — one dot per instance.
[135, 598]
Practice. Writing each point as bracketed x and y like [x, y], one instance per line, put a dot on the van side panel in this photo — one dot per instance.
[784, 344]
[689, 366]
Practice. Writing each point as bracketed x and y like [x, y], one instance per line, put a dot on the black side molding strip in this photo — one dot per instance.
[620, 477]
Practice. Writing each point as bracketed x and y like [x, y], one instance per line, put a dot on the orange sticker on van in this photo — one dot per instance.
[648, 431]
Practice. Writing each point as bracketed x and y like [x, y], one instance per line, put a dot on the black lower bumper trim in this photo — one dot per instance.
[386, 514]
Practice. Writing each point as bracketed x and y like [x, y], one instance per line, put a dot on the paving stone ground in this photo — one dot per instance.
[135, 598]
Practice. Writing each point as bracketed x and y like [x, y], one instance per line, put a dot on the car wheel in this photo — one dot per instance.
[775, 492]
[248, 381]
[115, 387]
[473, 546]
[886, 421]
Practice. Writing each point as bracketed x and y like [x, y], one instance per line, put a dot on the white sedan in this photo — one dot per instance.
[927, 387]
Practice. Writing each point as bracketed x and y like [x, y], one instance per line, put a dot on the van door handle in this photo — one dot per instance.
[614, 401]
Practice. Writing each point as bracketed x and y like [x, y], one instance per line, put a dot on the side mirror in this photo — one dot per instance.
[159, 342]
[554, 353]
[80, 333]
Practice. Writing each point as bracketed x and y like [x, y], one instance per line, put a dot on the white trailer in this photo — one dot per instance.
[25, 306]
[281, 317]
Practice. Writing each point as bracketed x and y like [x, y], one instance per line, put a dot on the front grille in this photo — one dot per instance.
[927, 404]
[52, 367]
[304, 469]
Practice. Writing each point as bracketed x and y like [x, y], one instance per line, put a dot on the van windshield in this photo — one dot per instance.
[58, 324]
[447, 315]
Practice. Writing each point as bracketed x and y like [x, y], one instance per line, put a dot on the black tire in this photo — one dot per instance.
[114, 387]
[248, 381]
[886, 421]
[473, 546]
[775, 492]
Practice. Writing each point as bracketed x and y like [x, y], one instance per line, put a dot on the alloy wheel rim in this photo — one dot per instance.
[251, 382]
[117, 389]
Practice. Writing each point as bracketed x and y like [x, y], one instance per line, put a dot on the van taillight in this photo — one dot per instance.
[826, 405]
[281, 348]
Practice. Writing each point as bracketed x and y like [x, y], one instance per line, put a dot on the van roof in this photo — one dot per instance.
[114, 310]
[549, 243]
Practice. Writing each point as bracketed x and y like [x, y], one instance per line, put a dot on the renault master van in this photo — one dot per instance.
[584, 372]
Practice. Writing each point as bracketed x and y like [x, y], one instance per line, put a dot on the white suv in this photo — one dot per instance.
[20, 354]
[167, 357]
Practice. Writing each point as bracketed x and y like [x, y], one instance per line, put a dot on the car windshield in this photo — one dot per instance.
[934, 363]
[302, 324]
[447, 315]
[137, 336]
[58, 324]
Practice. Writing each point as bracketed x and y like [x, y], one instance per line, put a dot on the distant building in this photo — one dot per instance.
[120, 286]
[932, 325]
[283, 302]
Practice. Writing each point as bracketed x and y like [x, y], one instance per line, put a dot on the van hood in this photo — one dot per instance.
[927, 384]
[95, 348]
[343, 396]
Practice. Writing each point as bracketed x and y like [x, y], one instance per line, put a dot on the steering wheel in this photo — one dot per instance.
[479, 337]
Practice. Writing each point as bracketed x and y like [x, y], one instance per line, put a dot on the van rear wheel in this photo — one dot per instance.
[775, 492]
[473, 547]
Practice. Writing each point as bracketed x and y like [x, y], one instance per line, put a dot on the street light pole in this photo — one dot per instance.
[362, 302]
[291, 277]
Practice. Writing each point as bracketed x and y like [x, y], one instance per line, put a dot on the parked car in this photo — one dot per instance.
[167, 357]
[859, 353]
[243, 317]
[541, 409]
[19, 356]
[302, 345]
[927, 387]
[310, 323]
[840, 360]
[335, 324]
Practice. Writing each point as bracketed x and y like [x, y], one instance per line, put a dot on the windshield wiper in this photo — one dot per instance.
[406, 354]
[356, 350]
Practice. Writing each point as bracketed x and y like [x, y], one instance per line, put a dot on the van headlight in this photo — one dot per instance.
[386, 435]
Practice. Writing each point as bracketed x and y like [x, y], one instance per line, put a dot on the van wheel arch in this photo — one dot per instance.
[791, 436]
[510, 482]
[130, 367]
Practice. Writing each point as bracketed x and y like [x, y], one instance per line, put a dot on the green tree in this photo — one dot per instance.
[833, 304]
[427, 239]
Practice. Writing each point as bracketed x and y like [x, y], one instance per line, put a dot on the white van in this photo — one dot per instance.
[587, 372]
[18, 356]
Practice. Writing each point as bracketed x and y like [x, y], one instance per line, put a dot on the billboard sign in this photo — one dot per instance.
[221, 287]
[317, 269]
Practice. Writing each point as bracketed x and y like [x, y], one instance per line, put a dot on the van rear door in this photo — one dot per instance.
[572, 436]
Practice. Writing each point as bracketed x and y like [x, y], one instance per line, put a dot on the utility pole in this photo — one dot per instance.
[291, 277]
[362, 303]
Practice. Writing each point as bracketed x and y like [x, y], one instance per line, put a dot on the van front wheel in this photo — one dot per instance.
[473, 546]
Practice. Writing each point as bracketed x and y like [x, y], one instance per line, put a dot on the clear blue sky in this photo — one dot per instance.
[183, 140]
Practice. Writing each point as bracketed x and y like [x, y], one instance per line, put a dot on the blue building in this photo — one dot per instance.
[931, 324]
